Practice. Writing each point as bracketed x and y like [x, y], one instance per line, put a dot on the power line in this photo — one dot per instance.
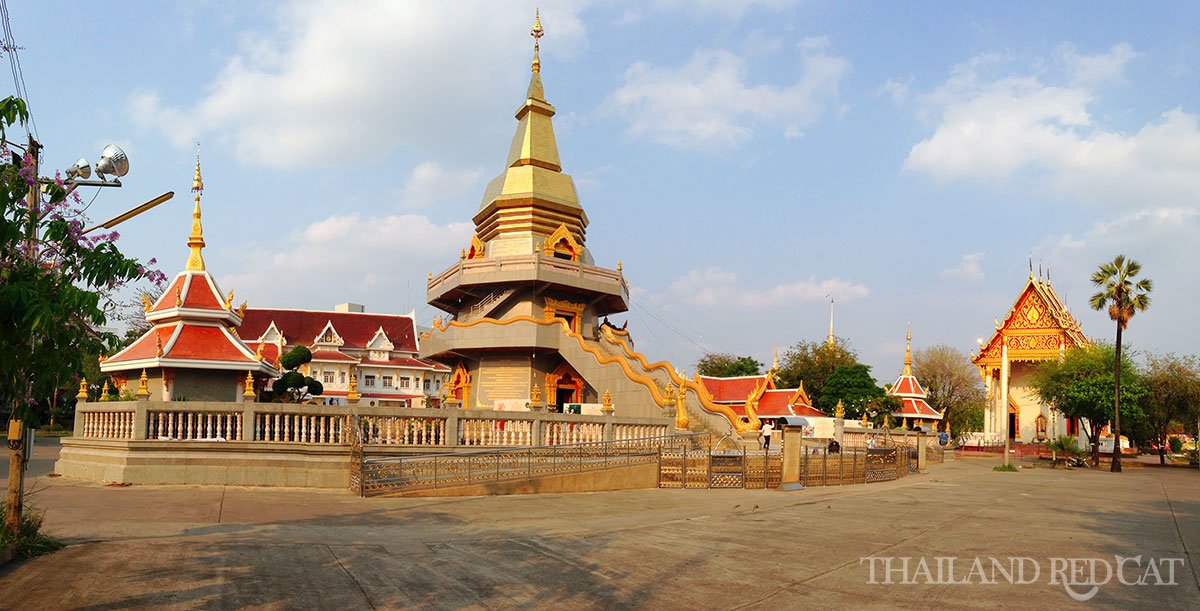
[14, 64]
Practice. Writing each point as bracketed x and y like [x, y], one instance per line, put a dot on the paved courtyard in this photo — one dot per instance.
[231, 547]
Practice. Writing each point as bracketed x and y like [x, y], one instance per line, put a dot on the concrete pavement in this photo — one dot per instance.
[231, 547]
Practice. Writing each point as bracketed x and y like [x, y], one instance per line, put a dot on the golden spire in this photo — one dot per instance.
[908, 352]
[83, 390]
[249, 392]
[537, 32]
[196, 240]
[830, 340]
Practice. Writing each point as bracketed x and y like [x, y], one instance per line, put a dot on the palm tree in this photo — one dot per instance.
[1123, 298]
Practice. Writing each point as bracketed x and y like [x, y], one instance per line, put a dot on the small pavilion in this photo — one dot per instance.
[914, 410]
[193, 351]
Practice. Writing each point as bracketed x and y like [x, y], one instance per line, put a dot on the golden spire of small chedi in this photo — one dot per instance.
[196, 239]
[908, 351]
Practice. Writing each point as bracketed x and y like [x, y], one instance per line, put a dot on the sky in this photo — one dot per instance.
[745, 160]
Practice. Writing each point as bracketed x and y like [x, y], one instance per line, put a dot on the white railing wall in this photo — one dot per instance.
[250, 422]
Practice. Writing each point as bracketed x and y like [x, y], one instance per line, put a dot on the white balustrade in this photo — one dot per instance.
[194, 426]
[404, 430]
[495, 432]
[637, 431]
[108, 425]
[559, 433]
[302, 428]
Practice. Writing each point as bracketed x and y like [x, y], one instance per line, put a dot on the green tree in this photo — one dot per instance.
[725, 365]
[853, 386]
[293, 386]
[1173, 389]
[812, 363]
[953, 385]
[1081, 386]
[53, 284]
[1123, 298]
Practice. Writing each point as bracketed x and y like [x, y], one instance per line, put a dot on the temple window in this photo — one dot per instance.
[387, 381]
[426, 384]
[341, 377]
[328, 377]
[369, 381]
[404, 382]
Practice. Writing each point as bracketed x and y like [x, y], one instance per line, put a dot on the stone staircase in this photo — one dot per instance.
[489, 303]
[612, 377]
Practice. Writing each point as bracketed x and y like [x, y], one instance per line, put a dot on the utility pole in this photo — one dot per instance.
[17, 434]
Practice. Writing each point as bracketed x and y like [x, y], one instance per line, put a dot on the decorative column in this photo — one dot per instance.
[1004, 395]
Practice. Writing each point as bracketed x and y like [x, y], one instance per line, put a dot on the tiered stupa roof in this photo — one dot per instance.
[532, 202]
[912, 396]
[194, 326]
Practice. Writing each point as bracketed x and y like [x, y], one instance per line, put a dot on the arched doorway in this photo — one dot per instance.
[564, 385]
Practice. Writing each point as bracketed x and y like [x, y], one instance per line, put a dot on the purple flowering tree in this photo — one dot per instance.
[56, 284]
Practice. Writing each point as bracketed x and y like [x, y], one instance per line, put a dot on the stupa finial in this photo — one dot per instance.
[537, 32]
[196, 239]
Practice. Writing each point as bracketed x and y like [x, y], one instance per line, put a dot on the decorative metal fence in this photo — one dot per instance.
[400, 474]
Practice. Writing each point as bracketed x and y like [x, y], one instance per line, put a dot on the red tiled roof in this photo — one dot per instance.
[206, 343]
[774, 404]
[807, 410]
[145, 347]
[333, 355]
[197, 289]
[907, 385]
[729, 390]
[916, 408]
[356, 329]
[202, 294]
[167, 300]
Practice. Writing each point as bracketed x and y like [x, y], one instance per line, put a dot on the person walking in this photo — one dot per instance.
[767, 429]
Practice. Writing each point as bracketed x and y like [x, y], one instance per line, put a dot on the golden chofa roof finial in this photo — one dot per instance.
[537, 32]
[196, 239]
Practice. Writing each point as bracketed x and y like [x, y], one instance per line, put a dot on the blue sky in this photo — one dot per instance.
[742, 159]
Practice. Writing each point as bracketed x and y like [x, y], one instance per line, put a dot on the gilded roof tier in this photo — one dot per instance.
[532, 195]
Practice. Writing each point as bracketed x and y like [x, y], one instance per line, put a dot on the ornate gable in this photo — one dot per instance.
[1037, 328]
[328, 336]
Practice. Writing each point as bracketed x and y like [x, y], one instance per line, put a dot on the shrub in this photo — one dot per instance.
[1009, 468]
[1176, 445]
[29, 540]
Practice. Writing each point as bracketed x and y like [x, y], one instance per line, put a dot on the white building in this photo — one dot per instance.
[380, 349]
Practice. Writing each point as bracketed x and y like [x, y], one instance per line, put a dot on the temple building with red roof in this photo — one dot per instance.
[379, 350]
[771, 403]
[1037, 328]
[192, 352]
[914, 411]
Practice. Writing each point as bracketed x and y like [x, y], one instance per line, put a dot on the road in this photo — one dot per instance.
[233, 547]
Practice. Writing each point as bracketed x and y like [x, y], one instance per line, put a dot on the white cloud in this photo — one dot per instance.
[715, 287]
[728, 9]
[899, 91]
[336, 81]
[431, 182]
[993, 128]
[968, 268]
[343, 257]
[1088, 69]
[706, 103]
